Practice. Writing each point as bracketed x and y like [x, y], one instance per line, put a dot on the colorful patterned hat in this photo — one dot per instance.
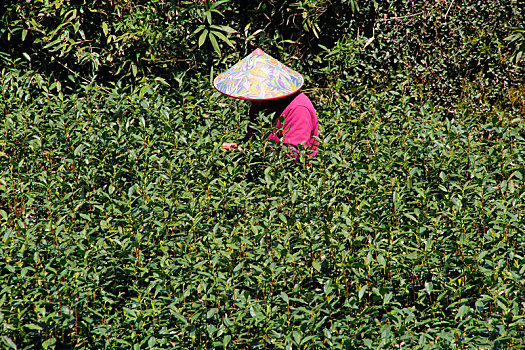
[258, 76]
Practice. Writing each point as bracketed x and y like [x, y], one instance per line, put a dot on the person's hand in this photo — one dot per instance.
[231, 146]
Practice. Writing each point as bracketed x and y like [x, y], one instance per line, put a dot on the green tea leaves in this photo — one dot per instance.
[124, 225]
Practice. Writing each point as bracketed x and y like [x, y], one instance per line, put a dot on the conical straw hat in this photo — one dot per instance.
[258, 76]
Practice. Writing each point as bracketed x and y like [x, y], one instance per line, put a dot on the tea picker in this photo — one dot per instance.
[272, 87]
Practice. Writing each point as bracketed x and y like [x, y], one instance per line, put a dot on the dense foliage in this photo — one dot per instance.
[123, 224]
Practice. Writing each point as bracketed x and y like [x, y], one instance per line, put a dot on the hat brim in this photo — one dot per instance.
[260, 99]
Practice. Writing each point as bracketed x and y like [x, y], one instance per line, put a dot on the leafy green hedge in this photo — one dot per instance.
[124, 225]
[443, 46]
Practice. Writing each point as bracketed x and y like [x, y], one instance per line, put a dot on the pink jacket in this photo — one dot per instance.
[300, 126]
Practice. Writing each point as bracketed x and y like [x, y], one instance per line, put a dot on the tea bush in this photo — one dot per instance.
[124, 225]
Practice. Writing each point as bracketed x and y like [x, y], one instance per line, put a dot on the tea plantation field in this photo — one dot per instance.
[125, 226]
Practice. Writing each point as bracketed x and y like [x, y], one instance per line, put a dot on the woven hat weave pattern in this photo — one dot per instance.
[258, 76]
